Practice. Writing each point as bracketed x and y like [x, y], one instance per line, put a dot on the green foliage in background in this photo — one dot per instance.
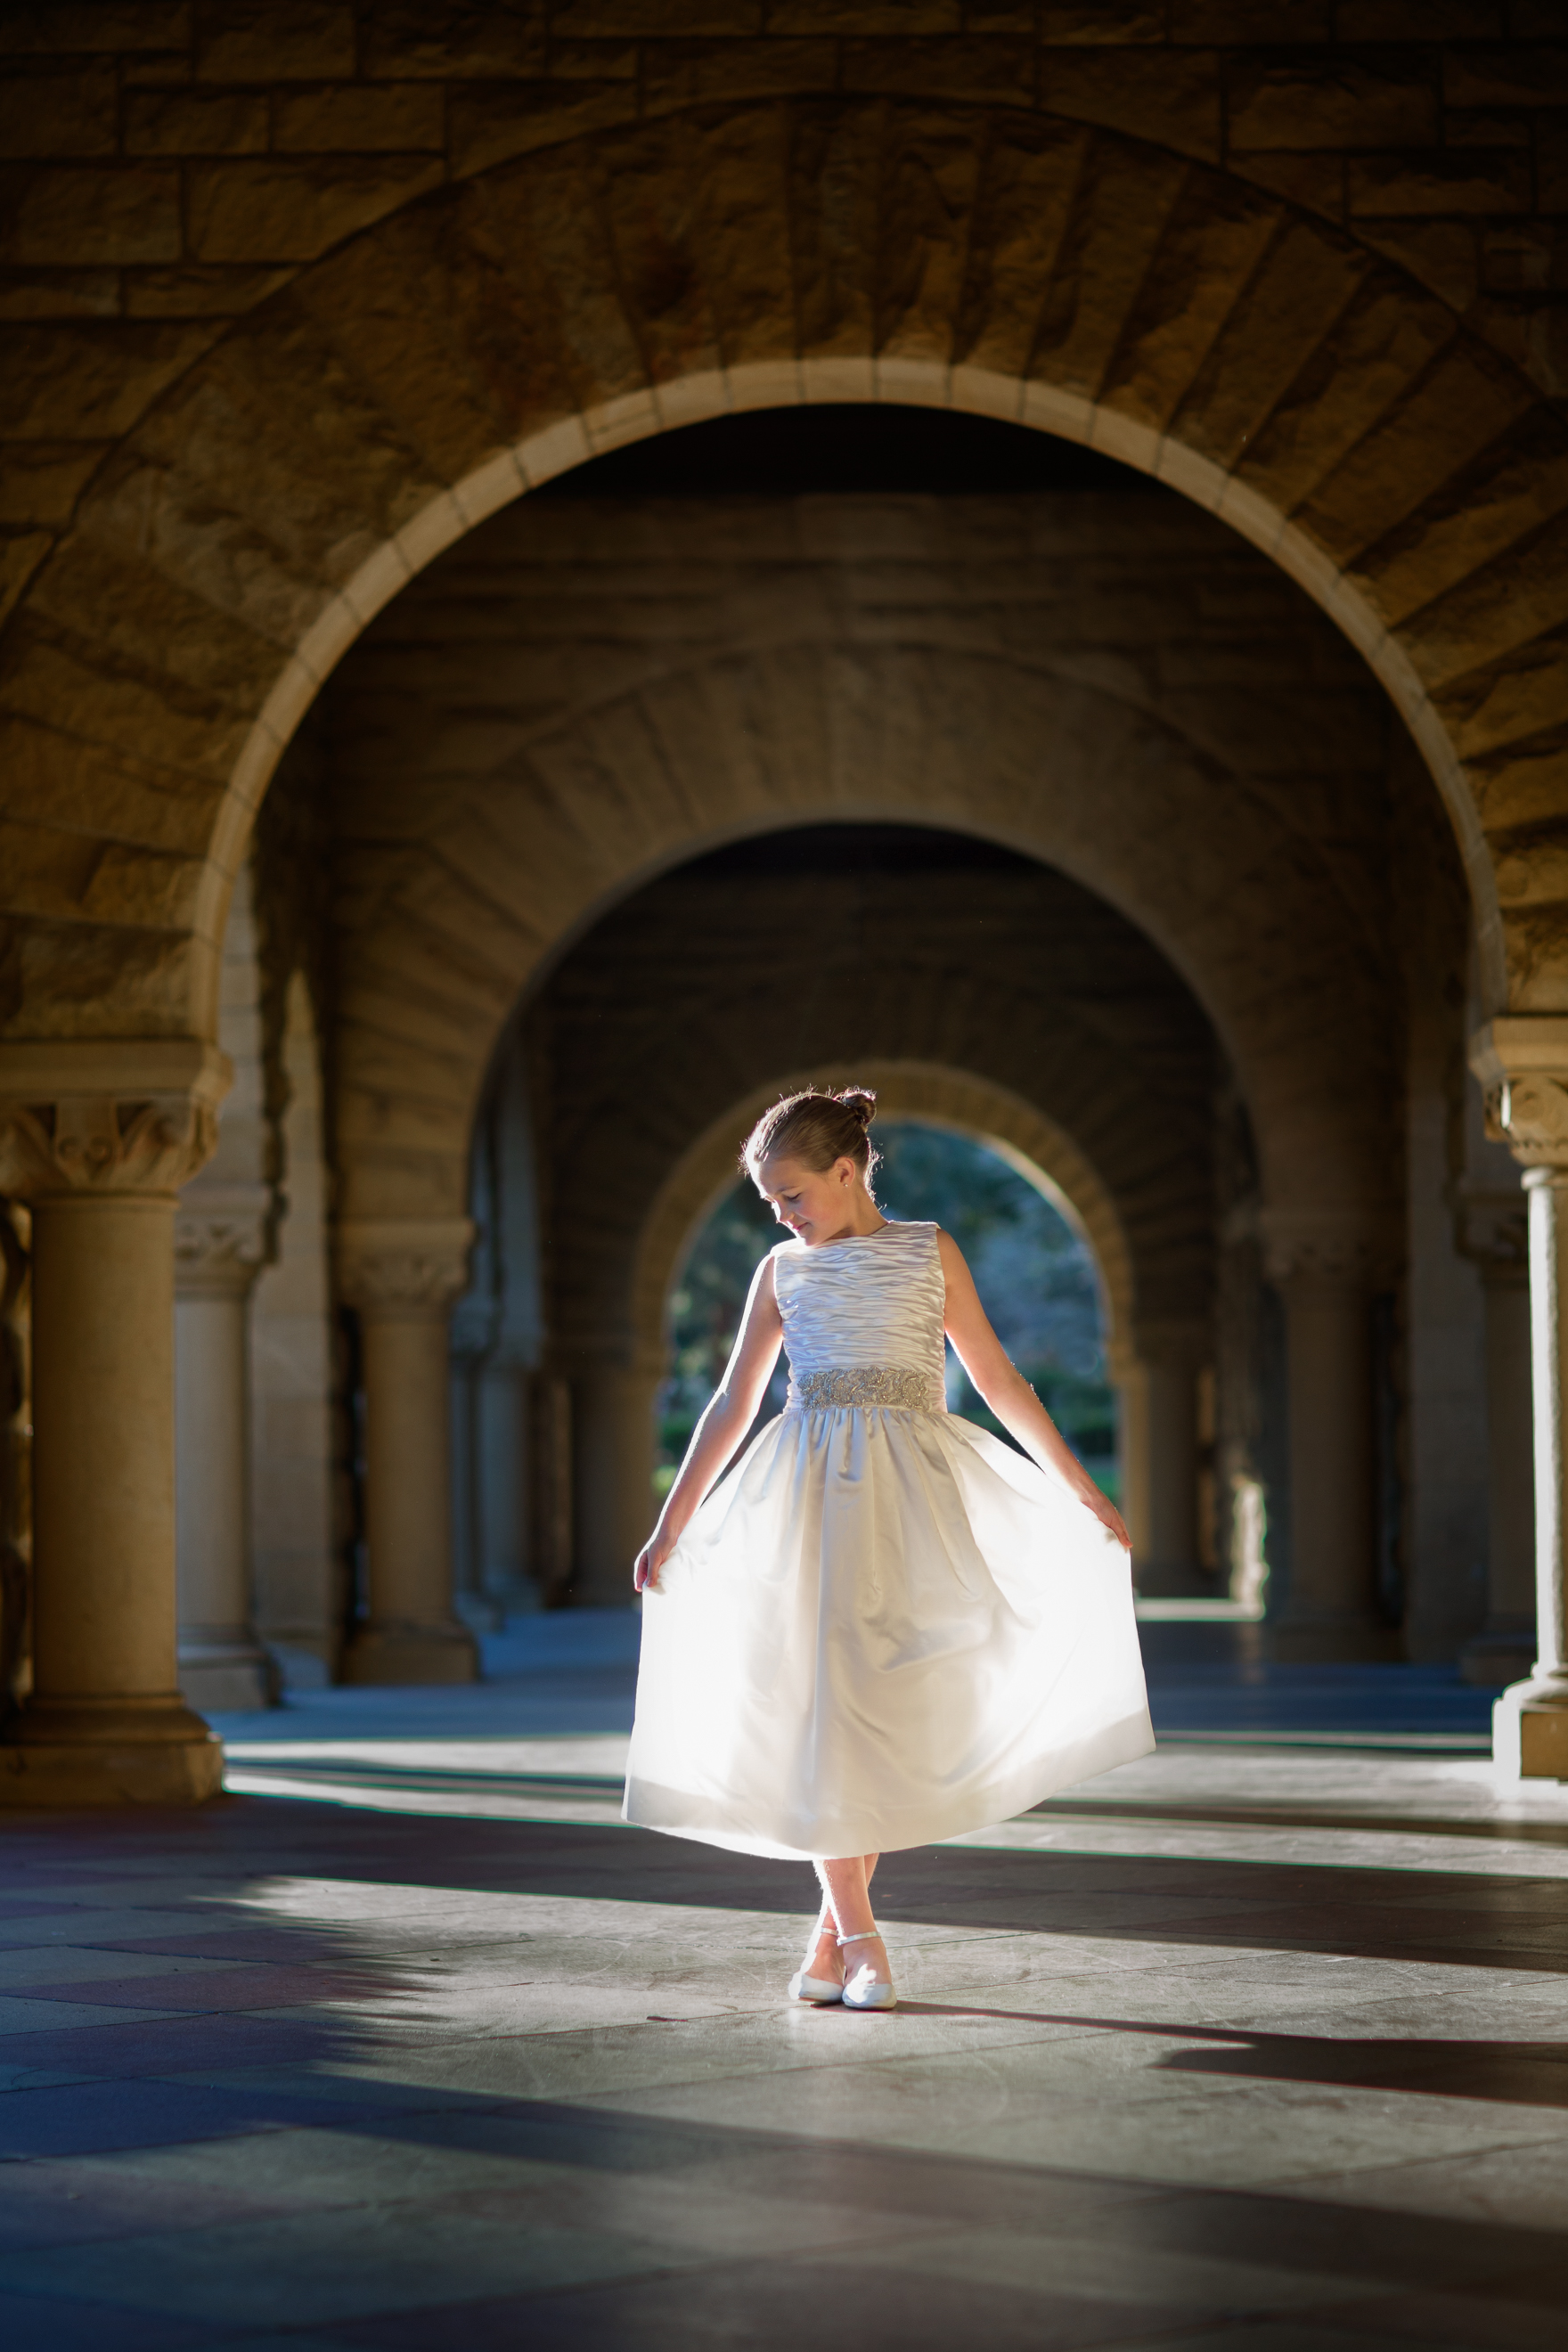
[1035, 1278]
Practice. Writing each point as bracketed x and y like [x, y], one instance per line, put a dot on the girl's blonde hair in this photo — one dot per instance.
[816, 1128]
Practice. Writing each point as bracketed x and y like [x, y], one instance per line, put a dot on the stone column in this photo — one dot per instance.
[220, 1243]
[1523, 1064]
[1322, 1267]
[401, 1277]
[1492, 1231]
[98, 1138]
[614, 1508]
[1161, 1455]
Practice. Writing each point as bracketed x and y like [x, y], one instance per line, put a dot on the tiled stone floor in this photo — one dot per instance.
[1247, 2046]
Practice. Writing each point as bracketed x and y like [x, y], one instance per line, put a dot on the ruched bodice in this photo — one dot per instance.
[863, 1320]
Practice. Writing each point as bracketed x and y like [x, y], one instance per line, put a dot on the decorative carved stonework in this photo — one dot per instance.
[223, 1237]
[403, 1265]
[101, 1118]
[1521, 1061]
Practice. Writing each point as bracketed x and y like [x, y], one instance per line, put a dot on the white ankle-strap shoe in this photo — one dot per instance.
[818, 1990]
[863, 1991]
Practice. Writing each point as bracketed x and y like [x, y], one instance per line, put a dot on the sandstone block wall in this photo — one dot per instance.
[295, 294]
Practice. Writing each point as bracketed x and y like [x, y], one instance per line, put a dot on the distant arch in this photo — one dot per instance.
[1043, 1150]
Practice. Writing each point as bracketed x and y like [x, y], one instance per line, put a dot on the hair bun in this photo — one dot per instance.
[860, 1103]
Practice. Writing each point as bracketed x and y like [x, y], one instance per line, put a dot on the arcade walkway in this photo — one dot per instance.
[1258, 2045]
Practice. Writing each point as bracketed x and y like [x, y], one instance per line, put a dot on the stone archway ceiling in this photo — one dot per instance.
[586, 693]
[256, 491]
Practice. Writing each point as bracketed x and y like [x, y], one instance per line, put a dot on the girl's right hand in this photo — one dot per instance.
[651, 1559]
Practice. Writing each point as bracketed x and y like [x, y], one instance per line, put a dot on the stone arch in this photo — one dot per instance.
[310, 460]
[948, 1098]
[670, 767]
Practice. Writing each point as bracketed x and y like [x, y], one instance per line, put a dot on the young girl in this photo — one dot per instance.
[888, 1627]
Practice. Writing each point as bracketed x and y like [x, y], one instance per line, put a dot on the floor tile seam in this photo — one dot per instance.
[72, 2022]
[1296, 2185]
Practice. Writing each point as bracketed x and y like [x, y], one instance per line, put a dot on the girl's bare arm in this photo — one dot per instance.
[1008, 1393]
[725, 1420]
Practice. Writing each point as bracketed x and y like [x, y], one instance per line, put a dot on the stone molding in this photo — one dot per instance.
[403, 1267]
[223, 1238]
[1521, 1061]
[96, 1118]
[1325, 1249]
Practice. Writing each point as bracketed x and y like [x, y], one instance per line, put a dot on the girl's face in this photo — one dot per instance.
[815, 1204]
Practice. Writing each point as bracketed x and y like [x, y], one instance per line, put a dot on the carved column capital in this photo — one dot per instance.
[223, 1238]
[1330, 1249]
[1521, 1061]
[93, 1119]
[404, 1266]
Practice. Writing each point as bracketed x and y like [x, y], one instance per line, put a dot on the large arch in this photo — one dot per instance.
[489, 824]
[310, 460]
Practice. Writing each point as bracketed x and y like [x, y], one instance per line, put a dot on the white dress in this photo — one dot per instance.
[884, 1626]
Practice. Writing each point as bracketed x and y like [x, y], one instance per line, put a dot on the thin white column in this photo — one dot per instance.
[1523, 1064]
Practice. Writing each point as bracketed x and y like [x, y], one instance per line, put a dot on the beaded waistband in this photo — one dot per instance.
[863, 1385]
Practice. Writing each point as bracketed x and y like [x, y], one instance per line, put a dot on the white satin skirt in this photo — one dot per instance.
[882, 1628]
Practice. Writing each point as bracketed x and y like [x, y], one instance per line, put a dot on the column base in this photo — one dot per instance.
[1529, 1731]
[392, 1655]
[80, 1753]
[227, 1677]
[1331, 1641]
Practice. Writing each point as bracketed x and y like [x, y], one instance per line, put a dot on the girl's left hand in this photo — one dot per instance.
[1106, 1512]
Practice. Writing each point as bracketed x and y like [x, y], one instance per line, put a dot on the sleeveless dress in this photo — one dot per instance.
[883, 1626]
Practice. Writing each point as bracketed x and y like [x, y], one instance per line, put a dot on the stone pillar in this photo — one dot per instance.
[220, 1243]
[1160, 1455]
[1322, 1267]
[1491, 1232]
[614, 1508]
[401, 1277]
[1522, 1065]
[98, 1138]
